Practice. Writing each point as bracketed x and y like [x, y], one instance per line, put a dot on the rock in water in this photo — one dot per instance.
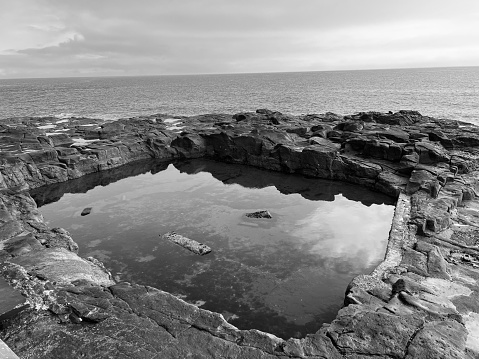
[86, 211]
[259, 214]
[190, 244]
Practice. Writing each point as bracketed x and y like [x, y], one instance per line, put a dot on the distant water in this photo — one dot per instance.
[440, 92]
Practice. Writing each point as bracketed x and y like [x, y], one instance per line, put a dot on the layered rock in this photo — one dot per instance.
[420, 302]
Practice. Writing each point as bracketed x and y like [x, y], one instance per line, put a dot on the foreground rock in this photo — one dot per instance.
[187, 243]
[420, 302]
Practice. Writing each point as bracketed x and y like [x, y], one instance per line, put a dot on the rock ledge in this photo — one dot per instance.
[422, 301]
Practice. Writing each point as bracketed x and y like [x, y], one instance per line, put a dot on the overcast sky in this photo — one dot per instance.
[56, 38]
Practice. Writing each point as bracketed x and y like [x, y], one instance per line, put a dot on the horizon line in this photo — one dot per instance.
[236, 73]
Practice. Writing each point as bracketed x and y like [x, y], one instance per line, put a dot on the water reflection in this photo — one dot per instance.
[357, 230]
[286, 275]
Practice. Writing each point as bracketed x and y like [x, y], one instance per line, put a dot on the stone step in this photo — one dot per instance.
[6, 352]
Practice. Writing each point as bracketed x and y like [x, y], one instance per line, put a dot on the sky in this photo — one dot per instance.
[63, 38]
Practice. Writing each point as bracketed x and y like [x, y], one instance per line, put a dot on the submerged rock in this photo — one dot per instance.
[86, 211]
[259, 214]
[190, 244]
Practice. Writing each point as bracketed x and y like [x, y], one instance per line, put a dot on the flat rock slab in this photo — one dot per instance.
[190, 244]
[10, 301]
[62, 266]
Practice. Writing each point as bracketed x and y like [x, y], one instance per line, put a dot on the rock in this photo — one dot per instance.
[264, 111]
[409, 162]
[323, 117]
[321, 127]
[21, 244]
[369, 334]
[397, 135]
[349, 126]
[467, 139]
[190, 145]
[430, 153]
[391, 184]
[400, 118]
[414, 262]
[419, 179]
[190, 244]
[66, 151]
[245, 116]
[438, 340]
[57, 238]
[353, 169]
[384, 149]
[61, 139]
[86, 211]
[62, 266]
[259, 214]
[413, 305]
[436, 135]
[300, 131]
[355, 144]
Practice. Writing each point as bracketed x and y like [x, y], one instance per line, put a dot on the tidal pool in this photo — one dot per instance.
[286, 275]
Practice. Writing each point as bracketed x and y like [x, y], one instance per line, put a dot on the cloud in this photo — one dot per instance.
[361, 242]
[89, 56]
[48, 37]
[32, 25]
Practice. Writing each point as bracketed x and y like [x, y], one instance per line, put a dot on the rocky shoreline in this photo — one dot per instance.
[422, 301]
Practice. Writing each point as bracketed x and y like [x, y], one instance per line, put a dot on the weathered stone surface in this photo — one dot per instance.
[420, 302]
[62, 266]
[419, 179]
[438, 340]
[363, 332]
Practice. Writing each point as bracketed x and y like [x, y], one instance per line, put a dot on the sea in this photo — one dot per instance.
[451, 93]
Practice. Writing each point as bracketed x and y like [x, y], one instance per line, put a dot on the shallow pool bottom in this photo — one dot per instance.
[286, 275]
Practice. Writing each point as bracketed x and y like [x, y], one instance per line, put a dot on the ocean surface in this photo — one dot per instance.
[451, 93]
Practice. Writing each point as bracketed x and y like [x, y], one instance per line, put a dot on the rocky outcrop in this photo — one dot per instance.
[420, 302]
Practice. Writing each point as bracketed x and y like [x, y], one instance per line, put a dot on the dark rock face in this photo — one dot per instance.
[420, 302]
[86, 211]
[259, 214]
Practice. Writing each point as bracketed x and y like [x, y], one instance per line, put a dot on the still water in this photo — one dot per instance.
[286, 275]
